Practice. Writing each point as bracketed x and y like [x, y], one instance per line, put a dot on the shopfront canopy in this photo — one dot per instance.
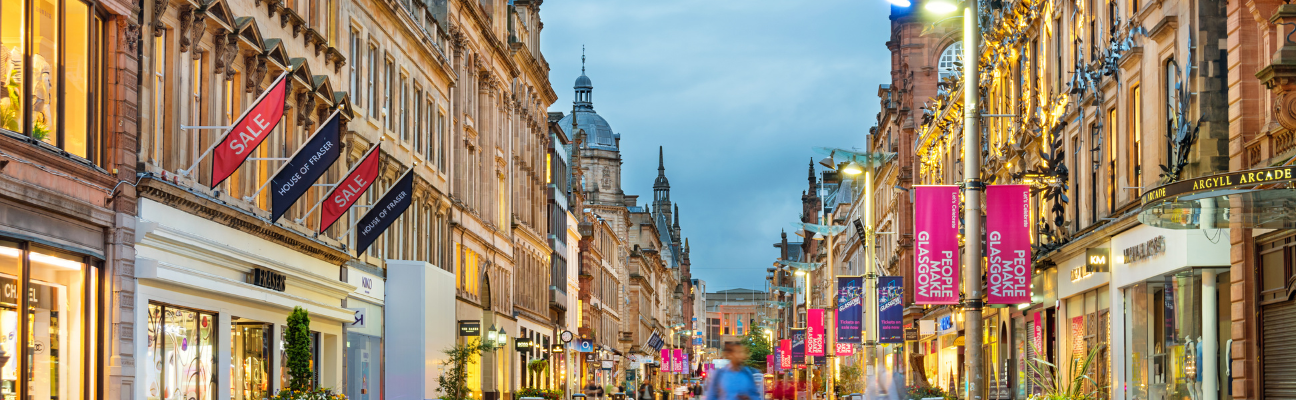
[1258, 198]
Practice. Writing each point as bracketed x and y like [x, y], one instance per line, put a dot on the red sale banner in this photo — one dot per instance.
[249, 131]
[1008, 252]
[815, 332]
[785, 354]
[845, 349]
[936, 223]
[340, 199]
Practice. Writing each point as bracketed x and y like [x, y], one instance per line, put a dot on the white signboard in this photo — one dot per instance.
[360, 314]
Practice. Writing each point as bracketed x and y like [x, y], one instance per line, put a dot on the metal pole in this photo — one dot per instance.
[870, 276]
[830, 306]
[973, 363]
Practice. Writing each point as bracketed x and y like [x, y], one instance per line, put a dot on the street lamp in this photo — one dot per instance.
[973, 355]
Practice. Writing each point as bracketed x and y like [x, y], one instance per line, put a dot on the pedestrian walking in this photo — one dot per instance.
[645, 392]
[734, 382]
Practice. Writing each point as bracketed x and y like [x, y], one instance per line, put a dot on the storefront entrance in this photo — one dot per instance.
[63, 303]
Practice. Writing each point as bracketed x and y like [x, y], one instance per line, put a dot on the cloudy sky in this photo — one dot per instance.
[738, 91]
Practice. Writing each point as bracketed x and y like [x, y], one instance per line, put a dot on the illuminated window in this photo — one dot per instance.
[159, 99]
[1111, 160]
[948, 59]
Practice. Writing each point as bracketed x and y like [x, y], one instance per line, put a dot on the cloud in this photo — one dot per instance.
[737, 92]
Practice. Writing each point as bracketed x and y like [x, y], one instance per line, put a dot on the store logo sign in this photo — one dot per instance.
[1145, 250]
[268, 279]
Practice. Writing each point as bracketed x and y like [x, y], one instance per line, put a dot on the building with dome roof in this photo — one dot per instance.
[654, 292]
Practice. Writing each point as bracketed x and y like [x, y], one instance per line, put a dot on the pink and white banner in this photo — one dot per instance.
[845, 349]
[666, 363]
[1008, 251]
[815, 333]
[936, 223]
[677, 364]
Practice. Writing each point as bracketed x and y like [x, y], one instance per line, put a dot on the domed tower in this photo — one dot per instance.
[600, 151]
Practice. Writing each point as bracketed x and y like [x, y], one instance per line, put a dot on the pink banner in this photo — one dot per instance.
[1008, 251]
[815, 332]
[677, 364]
[769, 364]
[666, 363]
[785, 354]
[845, 349]
[1038, 335]
[936, 222]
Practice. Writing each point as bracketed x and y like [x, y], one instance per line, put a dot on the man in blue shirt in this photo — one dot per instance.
[734, 382]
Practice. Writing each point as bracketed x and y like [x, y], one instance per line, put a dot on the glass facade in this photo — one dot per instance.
[1088, 327]
[57, 331]
[251, 352]
[181, 361]
[1164, 335]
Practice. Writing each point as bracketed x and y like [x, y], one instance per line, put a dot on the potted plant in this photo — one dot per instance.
[453, 381]
[1076, 384]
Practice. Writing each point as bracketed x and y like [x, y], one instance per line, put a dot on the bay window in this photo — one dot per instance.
[56, 73]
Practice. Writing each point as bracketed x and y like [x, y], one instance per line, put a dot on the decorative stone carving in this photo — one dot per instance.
[1280, 75]
[159, 8]
[255, 66]
[333, 55]
[305, 103]
[186, 25]
[131, 36]
[218, 65]
[231, 51]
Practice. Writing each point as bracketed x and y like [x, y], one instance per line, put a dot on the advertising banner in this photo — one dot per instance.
[1037, 337]
[785, 354]
[936, 223]
[1008, 251]
[357, 181]
[678, 361]
[305, 167]
[688, 367]
[385, 212]
[850, 309]
[845, 349]
[769, 363]
[890, 311]
[798, 345]
[249, 131]
[815, 332]
[666, 363]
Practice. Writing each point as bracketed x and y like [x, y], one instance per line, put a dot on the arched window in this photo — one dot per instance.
[946, 66]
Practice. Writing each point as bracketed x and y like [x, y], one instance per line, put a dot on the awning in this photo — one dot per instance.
[1258, 198]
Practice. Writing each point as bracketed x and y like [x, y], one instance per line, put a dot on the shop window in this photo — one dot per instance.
[1164, 333]
[181, 362]
[59, 82]
[59, 335]
[251, 351]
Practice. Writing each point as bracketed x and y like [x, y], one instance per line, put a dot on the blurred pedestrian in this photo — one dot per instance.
[734, 382]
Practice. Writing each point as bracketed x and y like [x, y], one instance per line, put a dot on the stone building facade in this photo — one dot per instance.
[68, 134]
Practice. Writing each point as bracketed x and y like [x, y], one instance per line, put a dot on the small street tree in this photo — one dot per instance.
[759, 346]
[453, 382]
[298, 350]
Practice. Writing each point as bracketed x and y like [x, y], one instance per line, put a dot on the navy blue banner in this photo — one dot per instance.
[305, 167]
[850, 310]
[384, 212]
[890, 309]
[798, 345]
